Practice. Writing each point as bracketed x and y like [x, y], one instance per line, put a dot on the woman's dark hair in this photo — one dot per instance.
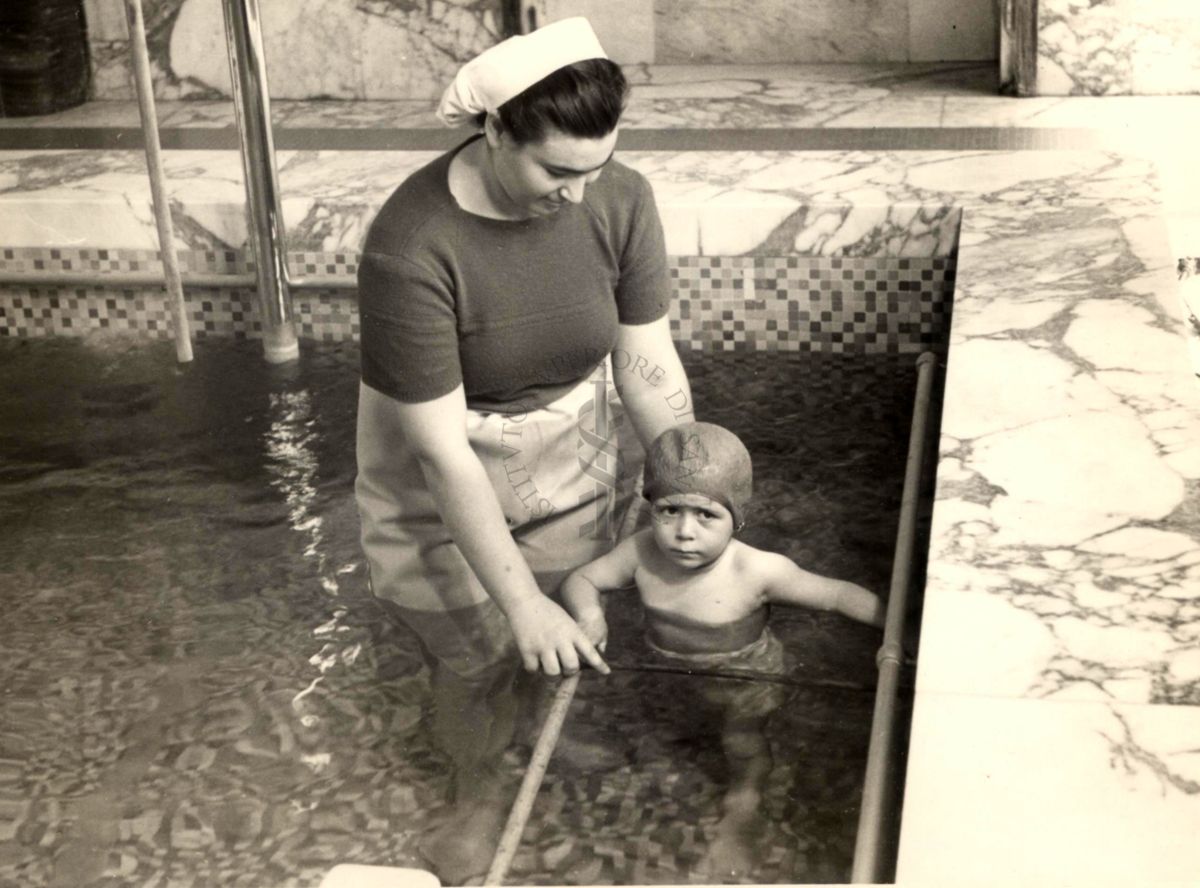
[584, 100]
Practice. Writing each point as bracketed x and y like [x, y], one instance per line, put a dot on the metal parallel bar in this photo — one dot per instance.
[878, 782]
[510, 839]
[158, 187]
[248, 70]
[741, 675]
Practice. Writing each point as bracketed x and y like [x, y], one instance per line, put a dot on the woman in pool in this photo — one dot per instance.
[494, 286]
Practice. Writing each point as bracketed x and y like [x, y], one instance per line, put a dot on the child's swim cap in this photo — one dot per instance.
[699, 457]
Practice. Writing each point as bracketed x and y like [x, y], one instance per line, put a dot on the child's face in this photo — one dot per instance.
[691, 529]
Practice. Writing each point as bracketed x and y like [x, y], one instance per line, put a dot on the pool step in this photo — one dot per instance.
[356, 875]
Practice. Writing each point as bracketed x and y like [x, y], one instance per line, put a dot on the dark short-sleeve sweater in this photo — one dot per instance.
[516, 311]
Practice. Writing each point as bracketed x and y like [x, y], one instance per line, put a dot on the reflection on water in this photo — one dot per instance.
[198, 689]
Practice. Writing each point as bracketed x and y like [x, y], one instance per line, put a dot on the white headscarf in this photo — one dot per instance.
[513, 65]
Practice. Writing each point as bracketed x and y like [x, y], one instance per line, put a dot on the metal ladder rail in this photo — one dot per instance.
[248, 69]
[878, 782]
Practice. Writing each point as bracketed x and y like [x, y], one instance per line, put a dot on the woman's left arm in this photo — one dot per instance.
[650, 379]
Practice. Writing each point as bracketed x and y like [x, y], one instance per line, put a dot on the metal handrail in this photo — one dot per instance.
[247, 64]
[878, 782]
[158, 181]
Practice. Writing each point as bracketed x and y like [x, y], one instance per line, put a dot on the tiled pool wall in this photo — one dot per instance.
[871, 304]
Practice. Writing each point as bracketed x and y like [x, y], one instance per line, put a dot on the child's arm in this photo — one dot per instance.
[788, 583]
[581, 589]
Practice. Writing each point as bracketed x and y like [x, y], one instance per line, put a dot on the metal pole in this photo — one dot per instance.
[248, 70]
[1018, 47]
[878, 781]
[158, 187]
[510, 839]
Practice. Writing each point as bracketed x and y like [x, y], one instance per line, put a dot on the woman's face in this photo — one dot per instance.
[691, 529]
[540, 178]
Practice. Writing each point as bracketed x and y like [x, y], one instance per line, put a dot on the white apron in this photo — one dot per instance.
[555, 471]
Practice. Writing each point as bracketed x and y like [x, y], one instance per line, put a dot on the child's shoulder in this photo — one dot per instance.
[759, 561]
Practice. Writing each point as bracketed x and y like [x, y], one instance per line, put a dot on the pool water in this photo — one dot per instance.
[198, 689]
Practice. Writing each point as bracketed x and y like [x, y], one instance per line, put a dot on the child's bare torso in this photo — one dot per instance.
[724, 591]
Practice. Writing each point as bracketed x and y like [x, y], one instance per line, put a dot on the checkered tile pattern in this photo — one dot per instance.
[224, 312]
[339, 269]
[714, 299]
[209, 262]
[37, 312]
[722, 303]
[825, 304]
[326, 315]
[81, 261]
[43, 312]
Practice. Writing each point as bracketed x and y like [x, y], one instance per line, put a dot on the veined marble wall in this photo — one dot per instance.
[1118, 47]
[780, 31]
[818, 31]
[722, 32]
[344, 49]
[399, 49]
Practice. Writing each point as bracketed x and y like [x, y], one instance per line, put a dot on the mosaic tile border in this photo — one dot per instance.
[340, 266]
[827, 304]
[38, 312]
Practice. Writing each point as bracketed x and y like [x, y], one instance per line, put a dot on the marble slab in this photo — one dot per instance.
[727, 98]
[393, 50]
[812, 203]
[314, 48]
[1080, 578]
[1115, 47]
[822, 204]
[952, 29]
[1018, 792]
[720, 97]
[729, 31]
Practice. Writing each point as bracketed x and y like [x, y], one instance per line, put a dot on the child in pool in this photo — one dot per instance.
[706, 597]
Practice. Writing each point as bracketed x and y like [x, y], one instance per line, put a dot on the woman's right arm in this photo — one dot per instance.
[546, 636]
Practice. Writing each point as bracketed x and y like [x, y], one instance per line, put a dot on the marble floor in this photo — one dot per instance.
[889, 96]
[934, 106]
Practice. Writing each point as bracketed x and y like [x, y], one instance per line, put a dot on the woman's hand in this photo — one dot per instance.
[549, 639]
